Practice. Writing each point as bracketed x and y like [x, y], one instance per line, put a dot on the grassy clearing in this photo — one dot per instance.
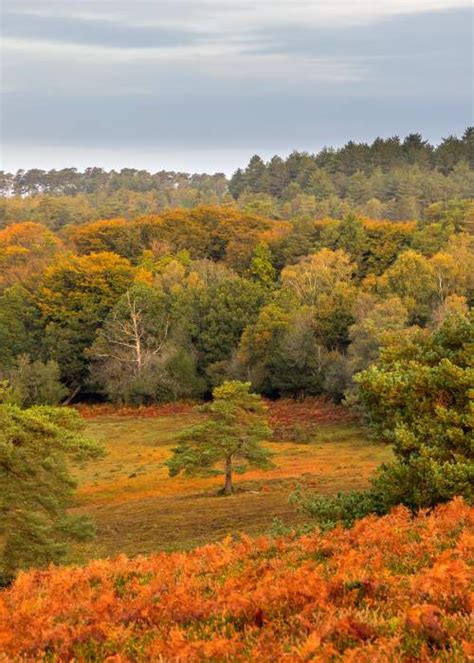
[138, 508]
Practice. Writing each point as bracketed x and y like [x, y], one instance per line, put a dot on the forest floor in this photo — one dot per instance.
[138, 509]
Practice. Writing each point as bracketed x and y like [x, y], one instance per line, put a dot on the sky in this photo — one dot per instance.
[201, 85]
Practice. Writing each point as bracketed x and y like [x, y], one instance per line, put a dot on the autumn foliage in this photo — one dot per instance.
[397, 588]
[130, 412]
[297, 419]
[286, 411]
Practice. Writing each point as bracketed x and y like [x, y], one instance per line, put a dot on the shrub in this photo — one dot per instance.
[396, 588]
[35, 382]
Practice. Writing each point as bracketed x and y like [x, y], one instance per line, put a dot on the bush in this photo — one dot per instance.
[395, 588]
[35, 383]
[423, 483]
[343, 508]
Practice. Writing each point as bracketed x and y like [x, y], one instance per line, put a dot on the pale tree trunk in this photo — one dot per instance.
[228, 487]
[136, 332]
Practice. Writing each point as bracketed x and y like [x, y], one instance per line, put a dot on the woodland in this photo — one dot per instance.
[343, 278]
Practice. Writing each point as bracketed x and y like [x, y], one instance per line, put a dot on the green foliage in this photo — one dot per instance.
[431, 238]
[351, 237]
[411, 278]
[375, 320]
[20, 330]
[230, 436]
[330, 510]
[76, 296]
[423, 482]
[261, 268]
[418, 396]
[181, 370]
[281, 352]
[35, 484]
[35, 382]
[214, 317]
[418, 393]
[402, 178]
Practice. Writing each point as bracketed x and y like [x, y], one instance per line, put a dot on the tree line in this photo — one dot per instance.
[167, 307]
[389, 178]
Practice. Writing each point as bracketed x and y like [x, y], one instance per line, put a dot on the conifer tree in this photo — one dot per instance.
[36, 486]
[231, 436]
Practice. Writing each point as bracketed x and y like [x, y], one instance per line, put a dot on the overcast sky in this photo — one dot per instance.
[201, 85]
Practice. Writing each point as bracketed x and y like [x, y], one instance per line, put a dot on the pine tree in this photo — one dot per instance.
[255, 175]
[35, 485]
[233, 432]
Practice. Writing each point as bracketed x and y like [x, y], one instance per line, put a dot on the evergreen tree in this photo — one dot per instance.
[418, 396]
[255, 176]
[278, 177]
[233, 433]
[359, 188]
[449, 152]
[236, 183]
[36, 487]
[352, 239]
[320, 184]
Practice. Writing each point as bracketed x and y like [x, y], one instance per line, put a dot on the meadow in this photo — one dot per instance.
[138, 508]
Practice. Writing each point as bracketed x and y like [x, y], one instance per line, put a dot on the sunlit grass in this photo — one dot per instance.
[138, 508]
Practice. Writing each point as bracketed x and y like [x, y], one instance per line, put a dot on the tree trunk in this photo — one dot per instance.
[228, 487]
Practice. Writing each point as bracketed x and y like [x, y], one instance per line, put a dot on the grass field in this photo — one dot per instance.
[138, 508]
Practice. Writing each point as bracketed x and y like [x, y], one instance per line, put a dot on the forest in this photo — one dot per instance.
[388, 179]
[340, 283]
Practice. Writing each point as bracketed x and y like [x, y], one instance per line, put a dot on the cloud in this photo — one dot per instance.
[232, 14]
[200, 77]
[95, 31]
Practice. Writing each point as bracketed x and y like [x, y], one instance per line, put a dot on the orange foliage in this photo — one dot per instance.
[285, 414]
[101, 235]
[393, 589]
[216, 232]
[25, 249]
[130, 412]
[280, 413]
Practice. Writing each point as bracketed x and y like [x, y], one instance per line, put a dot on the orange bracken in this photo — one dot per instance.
[396, 588]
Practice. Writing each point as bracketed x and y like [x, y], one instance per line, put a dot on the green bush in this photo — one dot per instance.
[344, 508]
[35, 383]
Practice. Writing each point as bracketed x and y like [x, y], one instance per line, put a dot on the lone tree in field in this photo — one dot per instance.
[230, 437]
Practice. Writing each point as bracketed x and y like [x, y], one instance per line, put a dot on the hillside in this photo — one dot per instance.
[395, 588]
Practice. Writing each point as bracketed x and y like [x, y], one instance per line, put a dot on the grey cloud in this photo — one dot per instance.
[443, 31]
[415, 74]
[98, 32]
[270, 122]
[408, 55]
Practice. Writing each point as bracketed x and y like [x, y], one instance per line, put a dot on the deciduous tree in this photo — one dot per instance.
[77, 294]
